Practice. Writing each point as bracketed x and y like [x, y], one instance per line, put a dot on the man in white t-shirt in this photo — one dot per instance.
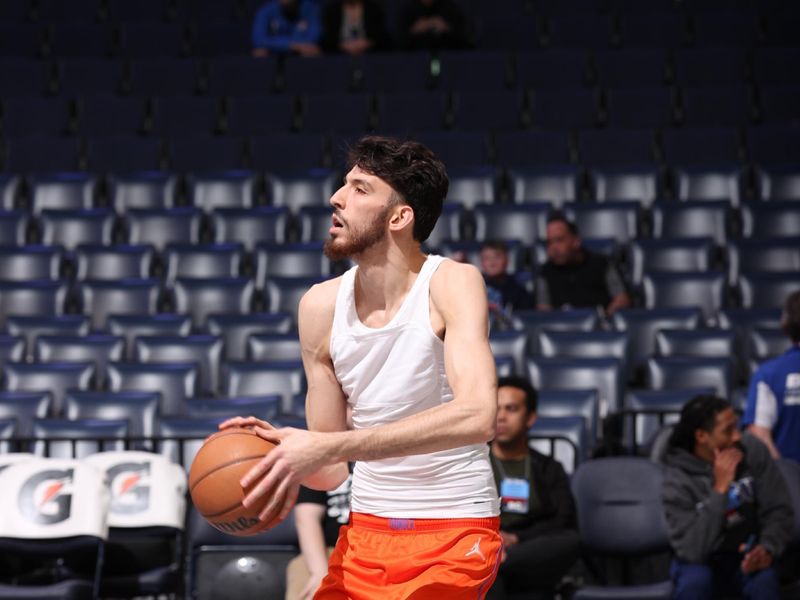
[402, 339]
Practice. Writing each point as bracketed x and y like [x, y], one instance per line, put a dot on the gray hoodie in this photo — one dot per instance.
[702, 521]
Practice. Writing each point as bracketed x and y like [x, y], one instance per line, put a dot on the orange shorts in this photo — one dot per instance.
[413, 559]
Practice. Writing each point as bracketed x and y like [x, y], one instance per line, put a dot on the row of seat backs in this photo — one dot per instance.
[94, 113]
[524, 223]
[636, 258]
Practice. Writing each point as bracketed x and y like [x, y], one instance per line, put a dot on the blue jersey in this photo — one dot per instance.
[774, 401]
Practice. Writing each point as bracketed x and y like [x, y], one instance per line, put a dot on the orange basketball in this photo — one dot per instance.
[214, 477]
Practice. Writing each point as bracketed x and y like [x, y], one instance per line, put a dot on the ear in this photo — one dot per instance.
[700, 436]
[402, 217]
[531, 419]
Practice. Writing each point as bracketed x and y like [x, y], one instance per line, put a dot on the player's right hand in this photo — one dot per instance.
[245, 422]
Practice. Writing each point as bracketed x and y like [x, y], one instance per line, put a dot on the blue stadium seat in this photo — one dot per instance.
[240, 75]
[288, 152]
[571, 403]
[205, 351]
[202, 261]
[120, 261]
[249, 226]
[718, 106]
[309, 188]
[767, 290]
[456, 149]
[665, 30]
[762, 255]
[260, 114]
[146, 40]
[403, 112]
[617, 220]
[205, 153]
[61, 191]
[263, 347]
[771, 219]
[709, 184]
[386, 73]
[554, 68]
[249, 378]
[482, 71]
[606, 375]
[13, 227]
[327, 74]
[185, 115]
[563, 438]
[705, 290]
[56, 378]
[669, 255]
[710, 66]
[96, 348]
[175, 382]
[23, 263]
[621, 148]
[555, 184]
[124, 155]
[579, 31]
[35, 116]
[162, 76]
[160, 227]
[131, 327]
[109, 115]
[139, 409]
[33, 298]
[81, 39]
[284, 293]
[531, 148]
[201, 297]
[648, 411]
[24, 407]
[304, 259]
[525, 223]
[340, 112]
[235, 329]
[691, 372]
[702, 146]
[632, 69]
[779, 184]
[89, 76]
[100, 299]
[701, 219]
[564, 108]
[639, 185]
[48, 323]
[42, 154]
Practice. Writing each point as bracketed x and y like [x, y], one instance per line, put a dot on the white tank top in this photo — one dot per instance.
[393, 372]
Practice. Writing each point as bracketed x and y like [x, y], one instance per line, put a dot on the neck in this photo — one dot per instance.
[387, 275]
[512, 450]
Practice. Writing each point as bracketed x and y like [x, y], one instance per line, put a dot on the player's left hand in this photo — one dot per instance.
[277, 476]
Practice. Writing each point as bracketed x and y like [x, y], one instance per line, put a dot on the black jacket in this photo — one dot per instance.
[552, 507]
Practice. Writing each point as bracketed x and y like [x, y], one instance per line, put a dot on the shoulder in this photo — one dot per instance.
[451, 273]
[545, 463]
[758, 456]
[318, 303]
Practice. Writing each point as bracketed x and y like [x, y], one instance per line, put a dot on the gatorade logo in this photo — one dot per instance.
[46, 498]
[130, 488]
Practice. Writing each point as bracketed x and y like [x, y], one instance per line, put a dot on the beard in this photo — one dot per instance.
[356, 241]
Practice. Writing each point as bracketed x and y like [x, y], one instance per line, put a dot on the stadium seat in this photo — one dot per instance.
[762, 256]
[13, 226]
[767, 290]
[264, 407]
[121, 261]
[617, 148]
[290, 260]
[144, 551]
[31, 327]
[669, 255]
[448, 226]
[174, 381]
[742, 321]
[606, 375]
[56, 378]
[710, 66]
[767, 343]
[23, 263]
[556, 185]
[680, 372]
[531, 148]
[99, 299]
[251, 226]
[778, 183]
[23, 408]
[495, 110]
[222, 189]
[240, 76]
[640, 108]
[510, 343]
[80, 39]
[553, 68]
[89, 75]
[771, 219]
[201, 261]
[179, 437]
[617, 220]
[35, 298]
[201, 297]
[470, 186]
[97, 348]
[12, 349]
[706, 184]
[692, 220]
[75, 542]
[311, 188]
[205, 351]
[273, 347]
[284, 293]
[640, 185]
[109, 115]
[778, 104]
[694, 342]
[214, 560]
[160, 227]
[702, 146]
[563, 438]
[403, 112]
[132, 326]
[260, 114]
[204, 152]
[127, 154]
[705, 290]
[235, 329]
[35, 116]
[340, 112]
[665, 30]
[185, 115]
[71, 228]
[648, 411]
[571, 403]
[162, 76]
[276, 377]
[615, 497]
[532, 322]
[387, 73]
[525, 223]
[331, 73]
[139, 409]
[287, 152]
[719, 106]
[564, 108]
[474, 71]
[624, 70]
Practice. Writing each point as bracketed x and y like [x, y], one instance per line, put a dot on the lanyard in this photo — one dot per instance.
[498, 464]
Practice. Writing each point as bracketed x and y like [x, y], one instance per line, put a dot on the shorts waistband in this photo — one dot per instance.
[395, 524]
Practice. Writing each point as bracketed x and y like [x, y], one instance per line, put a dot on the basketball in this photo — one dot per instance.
[214, 477]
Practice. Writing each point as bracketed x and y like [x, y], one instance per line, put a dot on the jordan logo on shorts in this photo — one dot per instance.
[476, 549]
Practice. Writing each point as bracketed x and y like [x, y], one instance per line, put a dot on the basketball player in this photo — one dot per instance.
[402, 339]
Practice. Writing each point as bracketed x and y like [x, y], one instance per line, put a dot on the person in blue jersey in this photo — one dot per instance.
[401, 341]
[287, 27]
[773, 402]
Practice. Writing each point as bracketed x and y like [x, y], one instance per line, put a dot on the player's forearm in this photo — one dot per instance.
[447, 426]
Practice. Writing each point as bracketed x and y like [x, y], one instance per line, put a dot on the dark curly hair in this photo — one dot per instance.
[699, 413]
[412, 170]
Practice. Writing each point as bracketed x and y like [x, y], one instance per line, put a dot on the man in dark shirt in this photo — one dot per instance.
[537, 520]
[573, 277]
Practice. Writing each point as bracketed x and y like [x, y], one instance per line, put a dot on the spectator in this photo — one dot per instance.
[433, 25]
[354, 27]
[537, 519]
[727, 508]
[317, 517]
[504, 290]
[573, 276]
[287, 27]
[773, 403]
